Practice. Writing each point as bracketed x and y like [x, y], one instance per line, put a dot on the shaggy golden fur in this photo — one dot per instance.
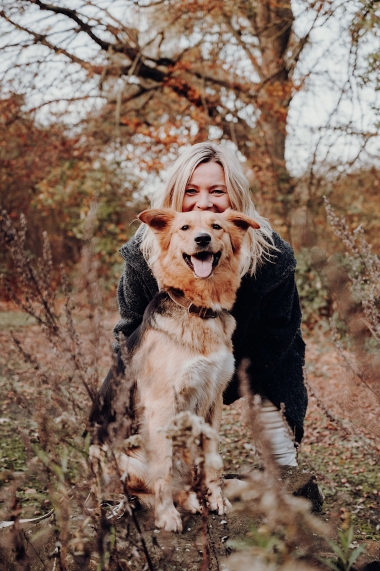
[179, 360]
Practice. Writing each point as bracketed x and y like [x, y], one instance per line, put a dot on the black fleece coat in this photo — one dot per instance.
[268, 319]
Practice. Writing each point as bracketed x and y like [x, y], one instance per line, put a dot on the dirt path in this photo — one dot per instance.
[343, 454]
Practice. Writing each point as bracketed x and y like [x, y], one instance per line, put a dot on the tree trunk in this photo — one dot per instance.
[273, 24]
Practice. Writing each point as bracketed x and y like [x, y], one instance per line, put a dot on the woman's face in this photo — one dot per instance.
[206, 189]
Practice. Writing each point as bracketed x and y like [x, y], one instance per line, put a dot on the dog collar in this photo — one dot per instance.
[202, 312]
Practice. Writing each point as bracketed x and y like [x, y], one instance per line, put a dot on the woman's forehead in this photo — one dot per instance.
[208, 172]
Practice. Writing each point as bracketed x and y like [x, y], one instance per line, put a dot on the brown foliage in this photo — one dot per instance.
[54, 177]
[175, 72]
[156, 75]
[28, 155]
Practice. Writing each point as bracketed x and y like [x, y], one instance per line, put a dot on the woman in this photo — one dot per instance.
[267, 309]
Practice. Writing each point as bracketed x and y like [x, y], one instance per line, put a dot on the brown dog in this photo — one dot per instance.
[180, 358]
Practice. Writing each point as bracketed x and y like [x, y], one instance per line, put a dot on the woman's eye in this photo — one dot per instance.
[186, 227]
[190, 191]
[216, 226]
[218, 191]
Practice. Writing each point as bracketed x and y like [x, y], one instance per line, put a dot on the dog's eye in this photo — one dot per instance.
[216, 227]
[186, 227]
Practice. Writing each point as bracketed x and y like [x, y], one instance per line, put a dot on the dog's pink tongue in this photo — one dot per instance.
[202, 268]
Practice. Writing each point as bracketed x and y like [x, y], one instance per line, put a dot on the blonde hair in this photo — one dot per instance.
[258, 244]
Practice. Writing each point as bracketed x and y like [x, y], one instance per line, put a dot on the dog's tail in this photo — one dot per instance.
[113, 405]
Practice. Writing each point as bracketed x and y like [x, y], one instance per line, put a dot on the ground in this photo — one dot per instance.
[341, 446]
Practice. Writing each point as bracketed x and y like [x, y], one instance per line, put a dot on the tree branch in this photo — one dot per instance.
[41, 39]
[72, 14]
[237, 36]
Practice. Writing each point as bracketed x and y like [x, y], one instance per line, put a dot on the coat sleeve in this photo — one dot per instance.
[270, 338]
[133, 297]
[280, 353]
[279, 325]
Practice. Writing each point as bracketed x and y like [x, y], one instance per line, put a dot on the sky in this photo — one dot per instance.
[331, 98]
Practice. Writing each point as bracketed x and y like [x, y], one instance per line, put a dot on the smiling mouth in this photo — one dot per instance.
[202, 263]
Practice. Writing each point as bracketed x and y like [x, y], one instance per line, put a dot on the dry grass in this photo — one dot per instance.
[49, 377]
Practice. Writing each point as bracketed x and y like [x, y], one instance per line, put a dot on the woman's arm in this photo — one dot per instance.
[133, 297]
[280, 351]
[268, 335]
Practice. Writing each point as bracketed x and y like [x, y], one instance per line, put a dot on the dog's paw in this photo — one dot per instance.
[191, 504]
[227, 506]
[169, 520]
[217, 503]
[189, 501]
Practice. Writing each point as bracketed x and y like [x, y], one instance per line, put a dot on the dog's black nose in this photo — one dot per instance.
[202, 239]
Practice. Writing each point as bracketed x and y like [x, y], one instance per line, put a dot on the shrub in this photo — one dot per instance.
[314, 294]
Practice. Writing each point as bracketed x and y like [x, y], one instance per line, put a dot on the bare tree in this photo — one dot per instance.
[164, 72]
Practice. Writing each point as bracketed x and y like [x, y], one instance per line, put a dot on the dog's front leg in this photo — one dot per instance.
[212, 458]
[160, 466]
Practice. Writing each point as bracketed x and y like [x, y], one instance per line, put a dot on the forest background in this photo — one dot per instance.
[99, 97]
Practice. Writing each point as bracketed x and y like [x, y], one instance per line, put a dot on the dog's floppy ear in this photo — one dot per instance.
[157, 219]
[240, 220]
[239, 226]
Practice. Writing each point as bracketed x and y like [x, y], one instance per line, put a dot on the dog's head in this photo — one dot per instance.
[197, 246]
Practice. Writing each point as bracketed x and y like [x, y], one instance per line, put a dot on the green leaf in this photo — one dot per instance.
[329, 563]
[346, 538]
[112, 537]
[354, 555]
[64, 459]
[350, 535]
[337, 550]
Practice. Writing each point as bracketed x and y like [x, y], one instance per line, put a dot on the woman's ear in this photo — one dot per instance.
[158, 219]
[240, 220]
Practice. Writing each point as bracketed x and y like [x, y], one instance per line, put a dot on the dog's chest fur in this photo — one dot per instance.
[191, 357]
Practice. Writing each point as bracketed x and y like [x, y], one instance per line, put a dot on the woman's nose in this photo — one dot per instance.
[204, 201]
